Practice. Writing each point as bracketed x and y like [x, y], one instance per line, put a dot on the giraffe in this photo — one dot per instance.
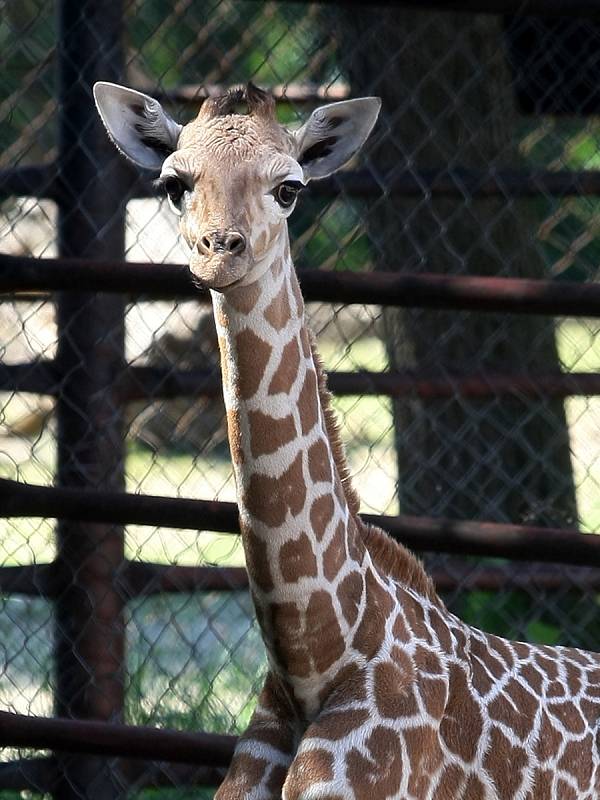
[374, 689]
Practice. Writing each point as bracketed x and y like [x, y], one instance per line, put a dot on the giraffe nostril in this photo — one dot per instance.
[206, 244]
[235, 243]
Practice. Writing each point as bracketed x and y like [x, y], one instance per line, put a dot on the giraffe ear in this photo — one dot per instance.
[137, 124]
[334, 133]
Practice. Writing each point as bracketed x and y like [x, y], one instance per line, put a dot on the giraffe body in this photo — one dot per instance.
[374, 689]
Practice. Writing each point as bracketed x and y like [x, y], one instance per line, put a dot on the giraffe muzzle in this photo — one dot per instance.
[230, 243]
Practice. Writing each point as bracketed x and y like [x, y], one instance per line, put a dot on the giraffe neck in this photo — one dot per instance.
[306, 559]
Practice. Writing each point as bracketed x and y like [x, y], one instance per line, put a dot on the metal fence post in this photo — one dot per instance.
[89, 632]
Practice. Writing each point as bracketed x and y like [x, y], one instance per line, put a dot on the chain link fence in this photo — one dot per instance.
[484, 162]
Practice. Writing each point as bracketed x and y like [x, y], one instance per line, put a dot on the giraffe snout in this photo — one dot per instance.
[225, 242]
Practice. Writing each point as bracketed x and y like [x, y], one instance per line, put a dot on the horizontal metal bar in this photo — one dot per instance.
[406, 290]
[172, 775]
[567, 8]
[296, 93]
[36, 377]
[29, 774]
[35, 580]
[502, 540]
[155, 382]
[40, 775]
[143, 383]
[459, 183]
[107, 739]
[43, 181]
[137, 578]
[32, 181]
[24, 500]
[142, 578]
[470, 576]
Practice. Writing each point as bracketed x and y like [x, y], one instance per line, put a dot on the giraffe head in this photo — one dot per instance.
[233, 178]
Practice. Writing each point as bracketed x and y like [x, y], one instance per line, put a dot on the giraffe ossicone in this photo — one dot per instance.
[374, 689]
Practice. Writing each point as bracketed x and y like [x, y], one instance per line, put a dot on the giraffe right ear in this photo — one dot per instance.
[137, 124]
[333, 134]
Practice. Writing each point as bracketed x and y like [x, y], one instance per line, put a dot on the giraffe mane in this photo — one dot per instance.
[257, 101]
[394, 560]
[333, 432]
[391, 557]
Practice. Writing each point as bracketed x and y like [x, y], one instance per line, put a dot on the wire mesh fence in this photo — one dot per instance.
[484, 162]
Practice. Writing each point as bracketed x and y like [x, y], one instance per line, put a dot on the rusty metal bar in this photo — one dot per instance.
[89, 639]
[36, 377]
[39, 774]
[141, 383]
[29, 774]
[31, 181]
[406, 290]
[141, 579]
[459, 183]
[136, 578]
[499, 540]
[110, 740]
[42, 181]
[35, 580]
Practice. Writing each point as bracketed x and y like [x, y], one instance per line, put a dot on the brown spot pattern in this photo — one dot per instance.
[323, 634]
[380, 775]
[518, 715]
[321, 514]
[335, 554]
[307, 769]
[268, 434]
[319, 462]
[285, 374]
[336, 725]
[450, 783]
[308, 406]
[253, 356]
[278, 312]
[235, 436]
[244, 298]
[297, 559]
[500, 754]
[441, 630]
[245, 773]
[269, 499]
[350, 680]
[288, 644]
[257, 561]
[393, 685]
[349, 594]
[461, 726]
[371, 631]
[579, 765]
[569, 715]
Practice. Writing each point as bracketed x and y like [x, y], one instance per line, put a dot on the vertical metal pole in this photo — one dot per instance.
[89, 632]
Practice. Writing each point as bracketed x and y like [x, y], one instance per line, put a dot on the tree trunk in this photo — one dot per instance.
[448, 103]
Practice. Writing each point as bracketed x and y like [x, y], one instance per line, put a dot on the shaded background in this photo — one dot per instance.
[468, 100]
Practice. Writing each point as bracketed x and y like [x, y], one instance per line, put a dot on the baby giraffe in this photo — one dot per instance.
[374, 689]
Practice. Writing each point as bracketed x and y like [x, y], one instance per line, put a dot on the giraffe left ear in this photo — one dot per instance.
[333, 134]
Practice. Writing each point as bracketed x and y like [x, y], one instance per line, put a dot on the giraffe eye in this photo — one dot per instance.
[286, 193]
[174, 188]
